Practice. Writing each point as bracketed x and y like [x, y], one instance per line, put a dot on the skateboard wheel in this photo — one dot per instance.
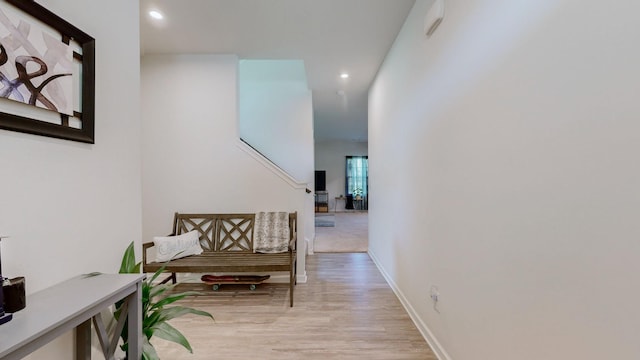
[216, 287]
[252, 287]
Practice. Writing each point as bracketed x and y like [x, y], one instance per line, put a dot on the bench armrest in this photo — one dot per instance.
[146, 246]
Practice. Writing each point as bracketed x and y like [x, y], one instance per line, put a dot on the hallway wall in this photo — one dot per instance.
[503, 156]
[72, 208]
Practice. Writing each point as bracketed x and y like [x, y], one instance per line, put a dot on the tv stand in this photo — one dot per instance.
[322, 201]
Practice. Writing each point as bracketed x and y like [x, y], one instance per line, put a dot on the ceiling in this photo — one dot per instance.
[330, 36]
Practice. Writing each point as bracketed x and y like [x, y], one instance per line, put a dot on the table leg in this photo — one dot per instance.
[83, 341]
[134, 315]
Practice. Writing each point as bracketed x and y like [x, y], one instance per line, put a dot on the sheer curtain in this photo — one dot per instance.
[357, 177]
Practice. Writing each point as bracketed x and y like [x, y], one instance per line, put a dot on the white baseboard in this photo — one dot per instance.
[309, 243]
[301, 278]
[422, 327]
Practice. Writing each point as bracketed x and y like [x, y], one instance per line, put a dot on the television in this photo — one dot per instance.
[321, 180]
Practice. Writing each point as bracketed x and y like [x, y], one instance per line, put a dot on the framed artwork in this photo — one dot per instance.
[47, 73]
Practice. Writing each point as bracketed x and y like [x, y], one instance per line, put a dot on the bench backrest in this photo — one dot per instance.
[225, 232]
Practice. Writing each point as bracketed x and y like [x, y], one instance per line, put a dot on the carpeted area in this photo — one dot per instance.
[325, 220]
[350, 233]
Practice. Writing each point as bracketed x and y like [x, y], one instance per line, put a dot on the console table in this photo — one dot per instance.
[75, 303]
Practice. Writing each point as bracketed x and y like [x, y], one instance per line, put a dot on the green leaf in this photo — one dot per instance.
[168, 332]
[177, 311]
[154, 314]
[173, 298]
[148, 351]
[161, 269]
[157, 290]
[128, 265]
[200, 313]
[157, 273]
[151, 319]
[118, 311]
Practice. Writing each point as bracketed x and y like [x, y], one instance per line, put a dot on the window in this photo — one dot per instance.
[357, 176]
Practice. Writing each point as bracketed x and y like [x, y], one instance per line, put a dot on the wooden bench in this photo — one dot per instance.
[227, 243]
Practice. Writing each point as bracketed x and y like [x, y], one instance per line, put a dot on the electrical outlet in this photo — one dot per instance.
[434, 293]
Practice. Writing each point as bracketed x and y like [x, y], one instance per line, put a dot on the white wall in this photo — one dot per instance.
[502, 154]
[331, 157]
[276, 118]
[73, 208]
[191, 158]
[276, 113]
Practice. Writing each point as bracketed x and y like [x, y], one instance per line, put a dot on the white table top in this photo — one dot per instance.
[62, 307]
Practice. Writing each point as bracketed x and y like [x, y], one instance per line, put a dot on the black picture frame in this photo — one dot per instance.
[68, 32]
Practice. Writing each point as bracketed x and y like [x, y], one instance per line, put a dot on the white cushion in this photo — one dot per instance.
[175, 247]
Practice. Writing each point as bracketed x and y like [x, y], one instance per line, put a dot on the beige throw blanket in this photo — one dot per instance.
[271, 232]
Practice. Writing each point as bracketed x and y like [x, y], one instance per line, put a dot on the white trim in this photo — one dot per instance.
[310, 244]
[422, 327]
[302, 279]
[296, 184]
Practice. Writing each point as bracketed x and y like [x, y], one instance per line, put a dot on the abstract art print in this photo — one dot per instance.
[47, 73]
[35, 67]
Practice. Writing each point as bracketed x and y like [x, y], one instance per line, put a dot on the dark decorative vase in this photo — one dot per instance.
[14, 295]
[4, 317]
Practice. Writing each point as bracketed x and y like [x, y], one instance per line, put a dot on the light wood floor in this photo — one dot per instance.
[345, 311]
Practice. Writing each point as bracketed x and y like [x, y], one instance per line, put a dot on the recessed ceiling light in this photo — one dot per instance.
[156, 14]
[344, 75]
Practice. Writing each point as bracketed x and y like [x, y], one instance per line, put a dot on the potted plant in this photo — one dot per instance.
[358, 193]
[155, 312]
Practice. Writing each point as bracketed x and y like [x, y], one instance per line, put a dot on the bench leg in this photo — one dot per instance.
[291, 285]
[172, 278]
[291, 294]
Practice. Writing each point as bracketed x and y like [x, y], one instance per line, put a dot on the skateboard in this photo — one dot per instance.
[251, 280]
